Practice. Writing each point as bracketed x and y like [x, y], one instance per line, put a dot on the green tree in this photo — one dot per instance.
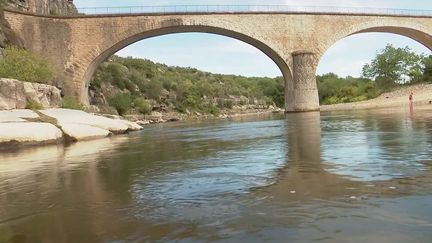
[393, 66]
[427, 71]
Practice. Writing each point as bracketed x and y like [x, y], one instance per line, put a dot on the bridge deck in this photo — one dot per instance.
[214, 9]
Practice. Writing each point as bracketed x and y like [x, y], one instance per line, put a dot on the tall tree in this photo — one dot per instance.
[393, 66]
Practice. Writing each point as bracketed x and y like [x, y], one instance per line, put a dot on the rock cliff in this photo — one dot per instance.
[48, 7]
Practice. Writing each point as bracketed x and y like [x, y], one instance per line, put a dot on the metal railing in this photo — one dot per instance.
[248, 9]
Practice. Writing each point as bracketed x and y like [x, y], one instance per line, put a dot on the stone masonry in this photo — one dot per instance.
[294, 41]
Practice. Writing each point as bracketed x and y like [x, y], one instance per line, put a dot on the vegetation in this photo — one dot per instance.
[33, 105]
[26, 66]
[122, 102]
[140, 84]
[72, 103]
[334, 89]
[395, 66]
[143, 106]
[140, 81]
[392, 67]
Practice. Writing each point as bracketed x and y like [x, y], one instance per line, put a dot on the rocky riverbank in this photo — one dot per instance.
[27, 127]
[21, 127]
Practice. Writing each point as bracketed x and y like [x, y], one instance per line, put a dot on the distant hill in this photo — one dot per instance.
[164, 88]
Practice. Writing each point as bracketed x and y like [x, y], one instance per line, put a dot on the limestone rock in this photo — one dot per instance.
[65, 116]
[14, 94]
[81, 132]
[132, 126]
[17, 115]
[47, 95]
[29, 132]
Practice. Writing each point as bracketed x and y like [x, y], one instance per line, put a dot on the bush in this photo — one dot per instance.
[214, 110]
[143, 106]
[121, 102]
[72, 103]
[360, 98]
[26, 66]
[33, 105]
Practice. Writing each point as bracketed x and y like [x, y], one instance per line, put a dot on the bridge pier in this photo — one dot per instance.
[302, 93]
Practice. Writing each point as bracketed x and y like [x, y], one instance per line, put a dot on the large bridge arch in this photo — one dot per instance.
[414, 31]
[295, 41]
[113, 48]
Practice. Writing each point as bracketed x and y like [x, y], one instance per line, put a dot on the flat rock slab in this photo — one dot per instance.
[29, 132]
[17, 115]
[67, 116]
[132, 126]
[82, 132]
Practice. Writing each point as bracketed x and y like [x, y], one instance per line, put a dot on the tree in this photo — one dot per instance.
[393, 66]
[427, 71]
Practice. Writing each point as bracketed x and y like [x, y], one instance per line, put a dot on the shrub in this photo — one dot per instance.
[33, 105]
[121, 102]
[214, 110]
[360, 98]
[72, 103]
[143, 106]
[26, 66]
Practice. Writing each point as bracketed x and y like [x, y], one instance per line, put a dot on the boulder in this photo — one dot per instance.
[80, 132]
[65, 116]
[29, 132]
[14, 94]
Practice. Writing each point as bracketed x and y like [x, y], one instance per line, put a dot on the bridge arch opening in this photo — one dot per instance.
[281, 64]
[340, 72]
[266, 54]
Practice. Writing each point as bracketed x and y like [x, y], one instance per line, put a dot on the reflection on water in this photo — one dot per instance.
[330, 177]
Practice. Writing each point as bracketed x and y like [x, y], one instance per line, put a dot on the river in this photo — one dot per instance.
[327, 177]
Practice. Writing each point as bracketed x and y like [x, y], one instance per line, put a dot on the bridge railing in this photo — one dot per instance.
[248, 9]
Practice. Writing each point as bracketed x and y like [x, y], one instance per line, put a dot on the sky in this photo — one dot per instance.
[219, 54]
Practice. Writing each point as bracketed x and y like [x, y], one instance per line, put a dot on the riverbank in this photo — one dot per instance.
[394, 99]
[39, 127]
[159, 117]
[24, 127]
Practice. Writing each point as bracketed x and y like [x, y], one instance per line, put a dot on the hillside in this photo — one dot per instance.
[134, 85]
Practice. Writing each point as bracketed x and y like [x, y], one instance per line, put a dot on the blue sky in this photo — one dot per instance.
[220, 54]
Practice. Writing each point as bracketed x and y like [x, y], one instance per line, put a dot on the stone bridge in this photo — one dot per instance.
[294, 41]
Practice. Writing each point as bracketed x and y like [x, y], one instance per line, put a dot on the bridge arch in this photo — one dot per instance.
[415, 32]
[115, 47]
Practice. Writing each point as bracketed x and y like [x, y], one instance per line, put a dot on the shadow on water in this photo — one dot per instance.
[309, 176]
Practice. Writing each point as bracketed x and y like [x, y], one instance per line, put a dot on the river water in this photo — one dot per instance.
[327, 177]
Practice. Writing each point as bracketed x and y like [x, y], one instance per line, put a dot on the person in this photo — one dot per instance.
[411, 97]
